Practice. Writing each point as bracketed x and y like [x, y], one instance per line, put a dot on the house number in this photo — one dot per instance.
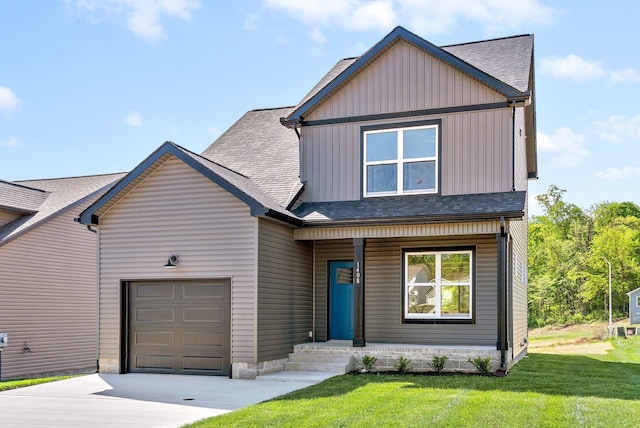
[358, 273]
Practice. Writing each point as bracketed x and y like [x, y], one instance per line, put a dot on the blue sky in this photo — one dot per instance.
[94, 86]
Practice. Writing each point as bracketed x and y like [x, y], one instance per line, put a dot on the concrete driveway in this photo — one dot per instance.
[139, 400]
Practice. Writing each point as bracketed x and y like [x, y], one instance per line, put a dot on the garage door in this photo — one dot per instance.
[179, 327]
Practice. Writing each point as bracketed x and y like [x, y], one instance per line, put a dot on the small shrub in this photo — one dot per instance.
[403, 365]
[368, 362]
[438, 363]
[483, 365]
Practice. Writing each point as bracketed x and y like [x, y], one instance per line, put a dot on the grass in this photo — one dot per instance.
[543, 390]
[6, 385]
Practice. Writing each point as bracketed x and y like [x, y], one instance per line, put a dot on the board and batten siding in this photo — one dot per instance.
[475, 155]
[476, 145]
[404, 78]
[48, 291]
[384, 291]
[285, 293]
[176, 210]
[7, 216]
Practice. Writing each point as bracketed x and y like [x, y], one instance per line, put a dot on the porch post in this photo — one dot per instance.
[358, 292]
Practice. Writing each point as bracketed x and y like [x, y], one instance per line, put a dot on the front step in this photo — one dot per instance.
[319, 362]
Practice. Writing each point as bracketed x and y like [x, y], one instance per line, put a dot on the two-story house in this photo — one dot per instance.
[385, 214]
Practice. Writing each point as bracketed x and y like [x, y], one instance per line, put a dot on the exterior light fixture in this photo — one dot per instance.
[171, 262]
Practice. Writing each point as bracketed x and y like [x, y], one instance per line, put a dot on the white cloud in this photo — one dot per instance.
[625, 75]
[347, 14]
[8, 99]
[437, 16]
[564, 147]
[251, 21]
[572, 67]
[134, 119]
[143, 17]
[619, 129]
[318, 37]
[423, 16]
[11, 142]
[615, 174]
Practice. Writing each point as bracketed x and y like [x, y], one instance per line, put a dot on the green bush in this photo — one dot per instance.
[403, 365]
[368, 362]
[438, 363]
[483, 365]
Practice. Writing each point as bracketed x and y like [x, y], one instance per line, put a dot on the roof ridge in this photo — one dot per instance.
[17, 184]
[270, 108]
[487, 40]
[67, 178]
[210, 160]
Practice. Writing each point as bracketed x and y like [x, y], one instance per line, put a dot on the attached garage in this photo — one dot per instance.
[178, 327]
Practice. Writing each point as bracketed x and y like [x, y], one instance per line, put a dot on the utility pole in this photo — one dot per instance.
[610, 321]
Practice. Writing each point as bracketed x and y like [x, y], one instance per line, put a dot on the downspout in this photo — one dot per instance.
[503, 343]
[513, 147]
[313, 286]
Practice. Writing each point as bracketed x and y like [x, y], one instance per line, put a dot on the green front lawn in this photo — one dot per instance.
[543, 390]
[13, 384]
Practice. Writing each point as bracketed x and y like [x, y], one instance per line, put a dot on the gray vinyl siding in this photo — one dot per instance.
[48, 299]
[176, 210]
[404, 78]
[476, 146]
[475, 156]
[519, 248]
[8, 216]
[519, 285]
[384, 291]
[285, 295]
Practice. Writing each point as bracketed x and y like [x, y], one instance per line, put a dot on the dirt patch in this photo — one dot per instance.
[575, 347]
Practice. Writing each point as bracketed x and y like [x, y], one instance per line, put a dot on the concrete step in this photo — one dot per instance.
[297, 376]
[340, 368]
[316, 357]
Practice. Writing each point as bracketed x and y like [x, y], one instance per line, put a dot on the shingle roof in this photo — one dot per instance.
[61, 195]
[260, 148]
[236, 183]
[16, 197]
[507, 59]
[428, 208]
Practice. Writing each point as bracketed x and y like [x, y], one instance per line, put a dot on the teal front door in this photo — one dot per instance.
[341, 300]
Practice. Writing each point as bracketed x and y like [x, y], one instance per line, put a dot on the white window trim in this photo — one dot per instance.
[437, 284]
[638, 301]
[400, 161]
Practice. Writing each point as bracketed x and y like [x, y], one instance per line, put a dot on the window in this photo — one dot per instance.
[638, 301]
[401, 161]
[438, 284]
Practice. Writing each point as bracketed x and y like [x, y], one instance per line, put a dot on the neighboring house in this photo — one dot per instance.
[634, 306]
[385, 214]
[48, 289]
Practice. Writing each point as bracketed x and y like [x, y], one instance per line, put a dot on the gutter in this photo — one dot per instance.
[511, 215]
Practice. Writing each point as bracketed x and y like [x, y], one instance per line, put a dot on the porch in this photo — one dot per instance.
[340, 356]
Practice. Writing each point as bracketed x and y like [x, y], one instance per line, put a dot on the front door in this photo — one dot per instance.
[341, 300]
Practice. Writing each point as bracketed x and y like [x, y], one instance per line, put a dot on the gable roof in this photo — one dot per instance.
[243, 147]
[42, 200]
[351, 70]
[505, 65]
[239, 185]
[423, 208]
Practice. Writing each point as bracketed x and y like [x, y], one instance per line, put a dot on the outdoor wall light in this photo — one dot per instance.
[172, 262]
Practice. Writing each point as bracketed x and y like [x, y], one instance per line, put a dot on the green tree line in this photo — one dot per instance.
[568, 252]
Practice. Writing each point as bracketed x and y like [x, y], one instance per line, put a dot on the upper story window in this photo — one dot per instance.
[401, 161]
